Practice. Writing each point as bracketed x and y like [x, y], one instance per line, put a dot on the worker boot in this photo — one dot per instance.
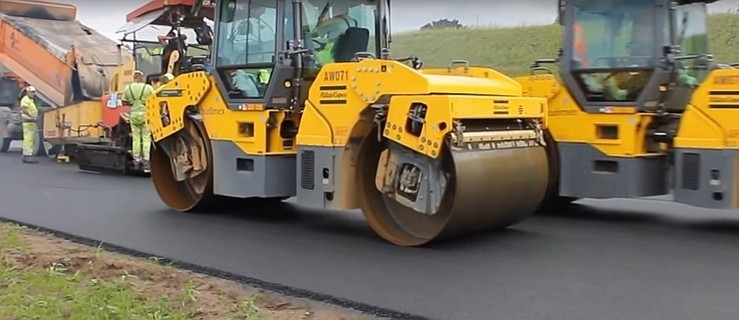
[29, 159]
[147, 168]
[137, 163]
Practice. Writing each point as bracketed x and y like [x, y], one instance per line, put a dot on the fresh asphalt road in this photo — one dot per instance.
[613, 259]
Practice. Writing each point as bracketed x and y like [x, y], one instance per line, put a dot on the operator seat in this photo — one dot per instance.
[204, 34]
[353, 40]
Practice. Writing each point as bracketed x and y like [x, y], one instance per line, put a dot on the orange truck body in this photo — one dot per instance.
[43, 43]
[72, 66]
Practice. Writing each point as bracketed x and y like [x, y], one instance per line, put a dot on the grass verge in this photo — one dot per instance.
[42, 277]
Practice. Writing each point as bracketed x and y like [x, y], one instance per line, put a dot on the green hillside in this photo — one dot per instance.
[510, 50]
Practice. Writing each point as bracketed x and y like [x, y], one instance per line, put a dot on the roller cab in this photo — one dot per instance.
[327, 117]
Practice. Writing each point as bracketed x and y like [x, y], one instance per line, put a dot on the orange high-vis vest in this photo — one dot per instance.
[580, 55]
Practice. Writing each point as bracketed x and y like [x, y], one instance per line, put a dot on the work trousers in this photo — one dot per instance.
[141, 136]
[29, 137]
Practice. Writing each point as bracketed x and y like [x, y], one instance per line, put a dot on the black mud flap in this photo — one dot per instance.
[104, 159]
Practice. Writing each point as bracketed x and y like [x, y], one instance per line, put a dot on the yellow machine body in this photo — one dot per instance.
[618, 132]
[425, 154]
[247, 128]
[708, 127]
[333, 116]
[76, 123]
[678, 133]
[711, 120]
[707, 144]
[82, 122]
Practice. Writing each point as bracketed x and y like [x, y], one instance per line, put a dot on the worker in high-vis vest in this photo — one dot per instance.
[136, 94]
[29, 115]
[264, 75]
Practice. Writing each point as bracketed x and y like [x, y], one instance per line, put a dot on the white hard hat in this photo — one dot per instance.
[31, 89]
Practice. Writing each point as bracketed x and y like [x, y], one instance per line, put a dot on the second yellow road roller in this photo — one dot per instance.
[639, 108]
[301, 99]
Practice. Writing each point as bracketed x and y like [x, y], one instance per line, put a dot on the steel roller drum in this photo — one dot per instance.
[195, 192]
[489, 189]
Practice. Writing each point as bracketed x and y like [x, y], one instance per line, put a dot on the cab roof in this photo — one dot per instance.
[156, 12]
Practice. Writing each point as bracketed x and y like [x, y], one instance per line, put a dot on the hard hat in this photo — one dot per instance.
[31, 89]
[169, 76]
[138, 72]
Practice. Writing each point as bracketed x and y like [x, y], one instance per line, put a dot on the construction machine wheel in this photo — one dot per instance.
[5, 144]
[181, 168]
[486, 189]
[191, 189]
[5, 115]
[39, 149]
[553, 201]
[39, 144]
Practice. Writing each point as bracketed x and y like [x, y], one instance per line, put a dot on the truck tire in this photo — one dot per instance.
[5, 115]
[5, 144]
[39, 148]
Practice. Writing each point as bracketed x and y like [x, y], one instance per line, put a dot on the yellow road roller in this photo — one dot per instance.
[303, 100]
[639, 108]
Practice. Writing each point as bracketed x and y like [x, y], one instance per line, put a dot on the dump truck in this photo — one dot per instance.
[70, 65]
[426, 154]
[639, 108]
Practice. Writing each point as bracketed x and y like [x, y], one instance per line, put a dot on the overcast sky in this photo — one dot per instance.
[107, 16]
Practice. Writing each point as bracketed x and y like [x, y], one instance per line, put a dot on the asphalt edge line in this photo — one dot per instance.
[208, 271]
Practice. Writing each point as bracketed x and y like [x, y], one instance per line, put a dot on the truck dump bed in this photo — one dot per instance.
[64, 59]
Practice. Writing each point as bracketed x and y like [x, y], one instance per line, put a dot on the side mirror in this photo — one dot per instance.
[668, 50]
[704, 60]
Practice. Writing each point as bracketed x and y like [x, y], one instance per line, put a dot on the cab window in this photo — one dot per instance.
[247, 46]
[337, 30]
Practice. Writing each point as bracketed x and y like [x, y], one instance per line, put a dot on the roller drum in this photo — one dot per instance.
[495, 189]
[194, 192]
[487, 189]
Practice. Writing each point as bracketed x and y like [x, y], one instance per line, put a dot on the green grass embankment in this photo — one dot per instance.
[511, 50]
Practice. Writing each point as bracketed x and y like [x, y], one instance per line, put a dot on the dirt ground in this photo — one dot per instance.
[215, 298]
